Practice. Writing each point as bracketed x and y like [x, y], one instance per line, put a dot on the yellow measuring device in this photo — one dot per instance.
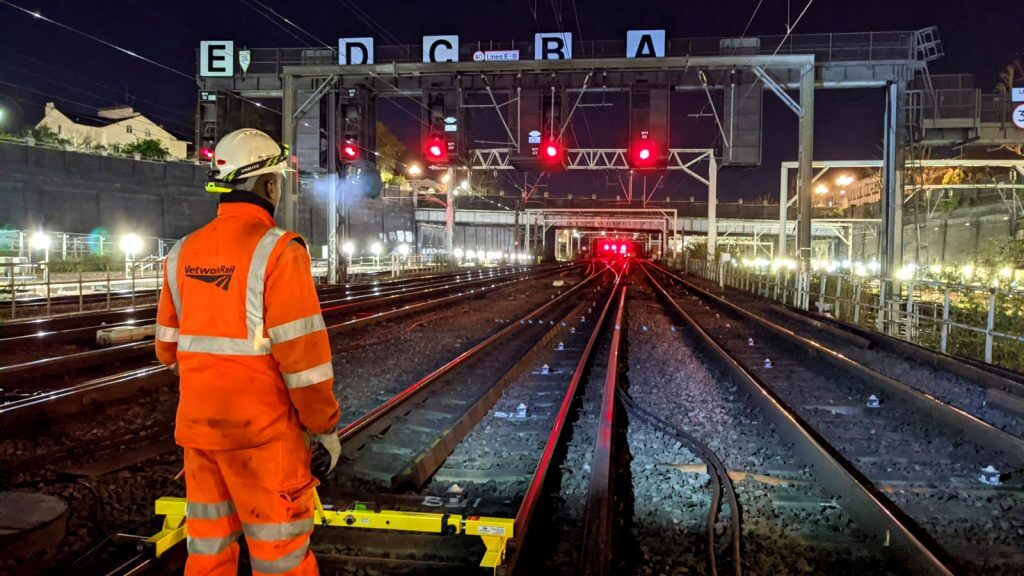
[494, 532]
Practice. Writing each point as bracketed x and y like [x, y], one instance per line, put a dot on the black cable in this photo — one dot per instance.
[716, 470]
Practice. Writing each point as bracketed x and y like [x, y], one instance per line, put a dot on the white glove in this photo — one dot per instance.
[330, 443]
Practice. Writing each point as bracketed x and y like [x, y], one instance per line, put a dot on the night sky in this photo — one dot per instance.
[979, 37]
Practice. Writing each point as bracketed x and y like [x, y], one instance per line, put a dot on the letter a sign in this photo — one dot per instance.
[645, 44]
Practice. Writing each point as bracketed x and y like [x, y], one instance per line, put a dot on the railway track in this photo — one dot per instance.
[85, 355]
[467, 436]
[53, 390]
[475, 439]
[81, 327]
[914, 465]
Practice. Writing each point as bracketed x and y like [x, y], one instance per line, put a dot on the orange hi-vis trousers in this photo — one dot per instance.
[264, 492]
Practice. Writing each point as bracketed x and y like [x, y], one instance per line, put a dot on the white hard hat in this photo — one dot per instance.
[244, 154]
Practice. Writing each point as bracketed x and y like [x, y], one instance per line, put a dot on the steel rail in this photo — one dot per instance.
[34, 327]
[376, 420]
[71, 399]
[45, 367]
[873, 513]
[598, 539]
[534, 492]
[982, 432]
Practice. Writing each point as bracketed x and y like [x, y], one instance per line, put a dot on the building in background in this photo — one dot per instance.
[117, 125]
[846, 191]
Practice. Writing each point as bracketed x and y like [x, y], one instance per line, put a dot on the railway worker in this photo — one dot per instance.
[240, 322]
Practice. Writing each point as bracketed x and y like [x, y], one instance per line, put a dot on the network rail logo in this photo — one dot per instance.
[220, 276]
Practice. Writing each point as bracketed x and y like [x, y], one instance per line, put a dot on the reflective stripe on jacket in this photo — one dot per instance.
[240, 316]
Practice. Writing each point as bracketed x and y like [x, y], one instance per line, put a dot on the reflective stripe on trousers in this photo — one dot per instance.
[211, 546]
[282, 564]
[209, 510]
[274, 532]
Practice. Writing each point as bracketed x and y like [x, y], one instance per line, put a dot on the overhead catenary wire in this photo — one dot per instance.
[97, 39]
[289, 22]
[78, 77]
[71, 101]
[264, 13]
[190, 77]
[370, 21]
[170, 121]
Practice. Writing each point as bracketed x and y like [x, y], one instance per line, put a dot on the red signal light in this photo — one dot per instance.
[206, 153]
[436, 148]
[551, 152]
[643, 154]
[350, 151]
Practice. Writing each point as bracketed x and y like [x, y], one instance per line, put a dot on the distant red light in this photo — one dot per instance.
[350, 151]
[435, 150]
[206, 153]
[551, 150]
[645, 153]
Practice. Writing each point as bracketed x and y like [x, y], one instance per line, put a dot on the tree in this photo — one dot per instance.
[148, 148]
[44, 135]
[390, 150]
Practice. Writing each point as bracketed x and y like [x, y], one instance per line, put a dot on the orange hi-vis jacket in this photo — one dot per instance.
[240, 316]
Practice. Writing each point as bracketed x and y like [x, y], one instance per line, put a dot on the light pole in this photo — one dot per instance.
[40, 241]
[131, 245]
[376, 249]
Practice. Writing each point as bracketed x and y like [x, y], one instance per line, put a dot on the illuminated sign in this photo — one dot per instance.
[496, 55]
[440, 49]
[645, 44]
[552, 46]
[216, 58]
[355, 51]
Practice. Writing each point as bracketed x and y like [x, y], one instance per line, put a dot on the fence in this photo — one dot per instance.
[973, 321]
[56, 246]
[45, 288]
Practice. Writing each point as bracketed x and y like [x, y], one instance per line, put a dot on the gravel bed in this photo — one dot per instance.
[929, 470]
[944, 385]
[371, 367]
[503, 448]
[556, 539]
[119, 501]
[39, 311]
[790, 524]
[123, 500]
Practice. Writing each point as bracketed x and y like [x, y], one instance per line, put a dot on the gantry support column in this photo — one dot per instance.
[332, 190]
[783, 210]
[805, 167]
[893, 158]
[288, 208]
[449, 218]
[712, 206]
